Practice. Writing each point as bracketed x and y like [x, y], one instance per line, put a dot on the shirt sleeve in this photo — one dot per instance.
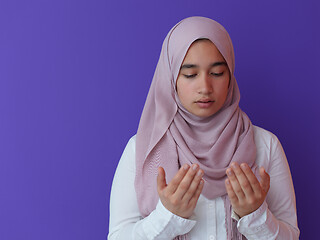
[276, 218]
[126, 221]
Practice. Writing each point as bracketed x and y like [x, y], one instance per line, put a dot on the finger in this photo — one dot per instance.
[161, 179]
[242, 179]
[232, 195]
[265, 179]
[235, 184]
[255, 185]
[193, 186]
[186, 181]
[193, 201]
[174, 183]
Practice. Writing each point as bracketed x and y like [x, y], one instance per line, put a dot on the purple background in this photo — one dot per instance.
[74, 75]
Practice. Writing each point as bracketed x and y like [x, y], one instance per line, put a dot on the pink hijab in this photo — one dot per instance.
[170, 136]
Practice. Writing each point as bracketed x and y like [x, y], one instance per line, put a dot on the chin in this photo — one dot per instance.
[205, 114]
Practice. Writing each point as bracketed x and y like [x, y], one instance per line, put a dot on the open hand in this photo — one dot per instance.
[181, 195]
[245, 192]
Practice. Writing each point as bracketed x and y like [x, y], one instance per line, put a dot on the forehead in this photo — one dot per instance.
[203, 51]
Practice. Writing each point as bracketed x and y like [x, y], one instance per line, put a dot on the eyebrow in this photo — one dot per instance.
[196, 66]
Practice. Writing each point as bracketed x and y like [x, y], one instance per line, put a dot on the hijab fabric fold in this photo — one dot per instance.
[170, 136]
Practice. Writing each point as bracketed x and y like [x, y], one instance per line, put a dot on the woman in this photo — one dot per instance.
[198, 168]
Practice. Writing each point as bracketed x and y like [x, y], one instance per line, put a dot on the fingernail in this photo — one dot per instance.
[229, 172]
[185, 167]
[244, 166]
[194, 167]
[227, 181]
[200, 173]
[234, 165]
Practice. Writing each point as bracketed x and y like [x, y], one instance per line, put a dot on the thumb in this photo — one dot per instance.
[265, 179]
[161, 179]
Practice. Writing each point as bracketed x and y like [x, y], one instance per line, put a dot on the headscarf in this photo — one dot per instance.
[169, 136]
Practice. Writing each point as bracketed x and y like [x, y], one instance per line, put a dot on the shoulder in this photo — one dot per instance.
[127, 160]
[131, 146]
[268, 147]
[264, 137]
[132, 142]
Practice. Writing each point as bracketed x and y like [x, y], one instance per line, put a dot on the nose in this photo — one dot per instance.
[205, 85]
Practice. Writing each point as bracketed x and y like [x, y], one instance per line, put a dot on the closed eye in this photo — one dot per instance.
[190, 76]
[217, 74]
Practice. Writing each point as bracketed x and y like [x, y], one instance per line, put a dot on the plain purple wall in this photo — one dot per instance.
[74, 75]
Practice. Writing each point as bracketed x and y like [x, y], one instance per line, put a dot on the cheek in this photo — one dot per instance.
[181, 88]
[184, 91]
[222, 89]
[227, 81]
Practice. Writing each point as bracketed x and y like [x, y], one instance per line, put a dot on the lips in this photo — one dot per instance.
[204, 103]
[204, 100]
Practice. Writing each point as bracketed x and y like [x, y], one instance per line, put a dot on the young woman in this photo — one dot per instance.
[198, 168]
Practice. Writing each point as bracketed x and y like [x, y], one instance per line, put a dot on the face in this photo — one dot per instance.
[203, 80]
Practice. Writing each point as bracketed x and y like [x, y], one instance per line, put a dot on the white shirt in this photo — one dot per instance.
[275, 219]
